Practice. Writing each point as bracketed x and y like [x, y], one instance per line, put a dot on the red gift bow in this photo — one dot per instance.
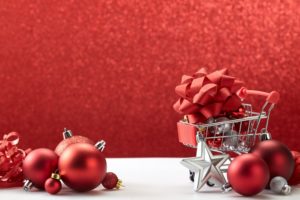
[204, 95]
[11, 158]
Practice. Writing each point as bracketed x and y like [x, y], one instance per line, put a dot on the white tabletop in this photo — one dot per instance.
[145, 178]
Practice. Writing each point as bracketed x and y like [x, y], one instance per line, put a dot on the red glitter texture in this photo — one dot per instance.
[107, 69]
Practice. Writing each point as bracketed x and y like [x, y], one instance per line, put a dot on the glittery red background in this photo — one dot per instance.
[107, 69]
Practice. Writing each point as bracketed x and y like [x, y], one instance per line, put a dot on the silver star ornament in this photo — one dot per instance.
[206, 166]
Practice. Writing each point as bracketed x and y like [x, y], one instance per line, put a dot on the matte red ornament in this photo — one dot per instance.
[52, 186]
[69, 141]
[248, 174]
[82, 167]
[277, 156]
[39, 165]
[111, 181]
[295, 178]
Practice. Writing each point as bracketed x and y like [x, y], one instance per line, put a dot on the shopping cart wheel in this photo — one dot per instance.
[210, 184]
[192, 175]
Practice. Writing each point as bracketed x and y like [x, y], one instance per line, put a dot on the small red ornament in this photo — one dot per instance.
[82, 167]
[39, 165]
[111, 181]
[295, 178]
[248, 174]
[53, 184]
[277, 156]
[69, 139]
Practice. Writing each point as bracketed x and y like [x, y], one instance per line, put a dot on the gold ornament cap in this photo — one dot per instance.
[55, 176]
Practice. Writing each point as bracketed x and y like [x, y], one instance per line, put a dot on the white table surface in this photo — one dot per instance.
[145, 178]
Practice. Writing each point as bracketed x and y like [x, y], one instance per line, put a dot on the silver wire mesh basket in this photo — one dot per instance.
[232, 135]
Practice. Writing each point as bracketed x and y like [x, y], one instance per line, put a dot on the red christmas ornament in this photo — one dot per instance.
[82, 167]
[69, 139]
[39, 165]
[111, 181]
[277, 156]
[295, 178]
[53, 184]
[248, 174]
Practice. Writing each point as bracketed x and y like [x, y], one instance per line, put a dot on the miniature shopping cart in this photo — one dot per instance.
[231, 136]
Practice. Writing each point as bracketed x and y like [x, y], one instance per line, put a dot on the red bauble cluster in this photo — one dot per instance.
[249, 174]
[80, 165]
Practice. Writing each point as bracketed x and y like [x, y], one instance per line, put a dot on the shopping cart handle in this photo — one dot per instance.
[272, 97]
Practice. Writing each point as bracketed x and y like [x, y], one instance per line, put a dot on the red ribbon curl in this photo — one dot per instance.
[11, 158]
[204, 95]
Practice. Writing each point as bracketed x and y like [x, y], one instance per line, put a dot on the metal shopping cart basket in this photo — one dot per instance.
[231, 136]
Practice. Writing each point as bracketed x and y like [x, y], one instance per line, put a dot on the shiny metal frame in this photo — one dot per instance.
[256, 124]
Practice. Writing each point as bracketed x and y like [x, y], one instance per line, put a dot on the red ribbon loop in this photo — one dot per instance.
[11, 158]
[204, 95]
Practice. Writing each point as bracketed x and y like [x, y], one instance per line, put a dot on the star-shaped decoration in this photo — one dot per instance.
[206, 166]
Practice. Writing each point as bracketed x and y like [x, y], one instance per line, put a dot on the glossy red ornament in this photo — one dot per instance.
[111, 181]
[39, 165]
[52, 186]
[71, 140]
[248, 174]
[295, 178]
[277, 156]
[82, 167]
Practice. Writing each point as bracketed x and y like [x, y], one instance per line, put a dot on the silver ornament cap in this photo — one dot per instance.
[226, 187]
[27, 185]
[100, 145]
[279, 185]
[67, 133]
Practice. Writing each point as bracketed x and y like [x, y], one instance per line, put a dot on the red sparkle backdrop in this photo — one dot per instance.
[107, 69]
